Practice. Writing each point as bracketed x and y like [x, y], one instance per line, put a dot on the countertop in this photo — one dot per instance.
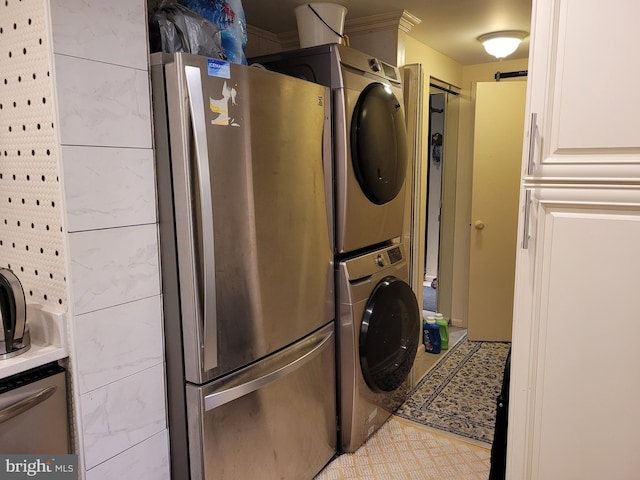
[48, 341]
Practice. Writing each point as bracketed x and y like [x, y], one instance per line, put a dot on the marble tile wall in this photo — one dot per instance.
[100, 59]
[108, 187]
[122, 414]
[109, 345]
[113, 266]
[147, 459]
[102, 105]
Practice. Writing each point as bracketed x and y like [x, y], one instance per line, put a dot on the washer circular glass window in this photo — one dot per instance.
[379, 143]
[389, 335]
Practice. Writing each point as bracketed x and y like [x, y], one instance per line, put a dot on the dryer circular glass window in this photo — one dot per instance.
[389, 335]
[379, 143]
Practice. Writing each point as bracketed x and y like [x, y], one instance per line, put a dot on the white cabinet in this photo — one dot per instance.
[575, 388]
[583, 90]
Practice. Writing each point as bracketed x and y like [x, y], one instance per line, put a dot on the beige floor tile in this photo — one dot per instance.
[402, 450]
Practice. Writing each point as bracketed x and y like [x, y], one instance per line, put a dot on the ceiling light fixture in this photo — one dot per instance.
[502, 44]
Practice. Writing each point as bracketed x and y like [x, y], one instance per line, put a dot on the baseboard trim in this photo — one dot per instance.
[458, 323]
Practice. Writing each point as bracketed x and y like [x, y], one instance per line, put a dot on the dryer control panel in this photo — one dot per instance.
[395, 255]
[389, 257]
[364, 63]
[379, 262]
[380, 67]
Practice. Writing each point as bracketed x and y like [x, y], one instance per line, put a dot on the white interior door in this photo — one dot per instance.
[499, 124]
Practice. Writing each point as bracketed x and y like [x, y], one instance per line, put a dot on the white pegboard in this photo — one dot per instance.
[31, 233]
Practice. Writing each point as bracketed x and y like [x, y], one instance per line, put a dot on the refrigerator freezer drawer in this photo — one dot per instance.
[275, 419]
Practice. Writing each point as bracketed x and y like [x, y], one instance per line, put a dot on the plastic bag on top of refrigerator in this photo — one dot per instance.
[228, 16]
[176, 28]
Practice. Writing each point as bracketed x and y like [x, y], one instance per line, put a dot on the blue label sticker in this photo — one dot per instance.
[218, 68]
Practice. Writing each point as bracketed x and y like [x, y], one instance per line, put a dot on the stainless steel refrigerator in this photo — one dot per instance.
[245, 234]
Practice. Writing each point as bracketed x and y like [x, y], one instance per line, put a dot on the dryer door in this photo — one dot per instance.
[379, 143]
[389, 335]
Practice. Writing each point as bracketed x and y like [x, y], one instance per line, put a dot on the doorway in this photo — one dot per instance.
[437, 208]
[440, 208]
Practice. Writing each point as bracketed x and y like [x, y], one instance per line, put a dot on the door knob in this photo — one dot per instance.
[479, 224]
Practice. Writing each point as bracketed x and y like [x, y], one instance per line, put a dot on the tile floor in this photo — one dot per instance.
[402, 450]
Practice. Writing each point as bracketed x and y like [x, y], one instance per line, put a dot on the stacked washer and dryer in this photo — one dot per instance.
[378, 319]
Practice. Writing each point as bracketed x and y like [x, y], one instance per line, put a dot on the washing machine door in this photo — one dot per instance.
[389, 335]
[379, 143]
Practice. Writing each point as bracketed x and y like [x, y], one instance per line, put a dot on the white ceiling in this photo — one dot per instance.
[449, 26]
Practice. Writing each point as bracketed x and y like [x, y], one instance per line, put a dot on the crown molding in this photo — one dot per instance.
[401, 20]
[289, 40]
[408, 21]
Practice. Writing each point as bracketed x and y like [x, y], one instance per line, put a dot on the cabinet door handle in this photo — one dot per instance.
[533, 129]
[527, 214]
[25, 404]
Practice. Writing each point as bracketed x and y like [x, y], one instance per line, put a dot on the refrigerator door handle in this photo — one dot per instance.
[25, 404]
[309, 351]
[208, 311]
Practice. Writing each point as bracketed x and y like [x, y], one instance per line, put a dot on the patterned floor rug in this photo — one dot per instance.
[458, 395]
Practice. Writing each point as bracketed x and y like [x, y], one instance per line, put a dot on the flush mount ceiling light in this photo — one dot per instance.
[502, 44]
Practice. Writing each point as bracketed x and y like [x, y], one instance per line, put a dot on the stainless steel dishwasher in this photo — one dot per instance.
[33, 412]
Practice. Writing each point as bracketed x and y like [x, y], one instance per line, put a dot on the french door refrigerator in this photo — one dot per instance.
[246, 267]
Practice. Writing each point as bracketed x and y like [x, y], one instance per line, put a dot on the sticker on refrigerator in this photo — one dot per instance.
[223, 107]
[218, 68]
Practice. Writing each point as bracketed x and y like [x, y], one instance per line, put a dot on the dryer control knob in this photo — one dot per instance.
[374, 64]
[380, 260]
